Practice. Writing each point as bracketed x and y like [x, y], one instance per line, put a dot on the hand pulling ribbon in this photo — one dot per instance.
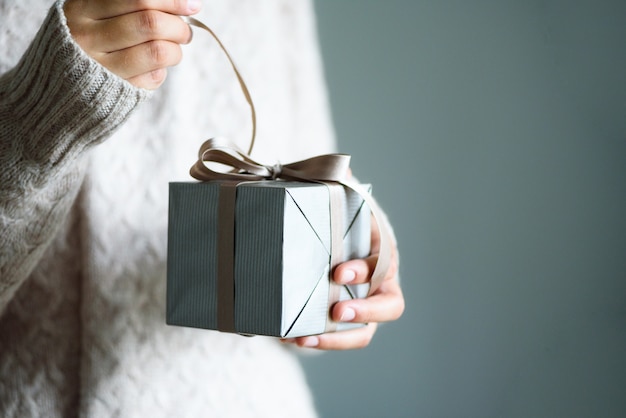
[326, 169]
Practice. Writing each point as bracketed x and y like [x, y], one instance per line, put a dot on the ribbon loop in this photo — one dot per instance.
[328, 167]
[244, 89]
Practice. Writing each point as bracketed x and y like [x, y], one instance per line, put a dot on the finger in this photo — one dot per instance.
[106, 9]
[343, 340]
[386, 304]
[360, 270]
[355, 271]
[375, 238]
[132, 29]
[149, 81]
[141, 59]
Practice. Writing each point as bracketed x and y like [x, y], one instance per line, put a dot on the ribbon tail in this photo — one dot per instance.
[195, 22]
[383, 262]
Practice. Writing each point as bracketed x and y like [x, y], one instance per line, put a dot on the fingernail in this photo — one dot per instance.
[347, 276]
[194, 5]
[190, 35]
[311, 342]
[348, 314]
[287, 340]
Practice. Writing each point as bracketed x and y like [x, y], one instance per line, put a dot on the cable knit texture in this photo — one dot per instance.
[85, 161]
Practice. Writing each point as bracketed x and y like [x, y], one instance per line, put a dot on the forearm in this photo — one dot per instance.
[54, 105]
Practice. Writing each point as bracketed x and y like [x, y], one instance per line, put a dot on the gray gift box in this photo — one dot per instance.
[282, 247]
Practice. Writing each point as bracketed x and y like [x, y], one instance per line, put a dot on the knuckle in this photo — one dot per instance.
[149, 21]
[158, 53]
[157, 77]
[163, 54]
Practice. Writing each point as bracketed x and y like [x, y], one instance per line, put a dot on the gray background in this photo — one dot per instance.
[494, 133]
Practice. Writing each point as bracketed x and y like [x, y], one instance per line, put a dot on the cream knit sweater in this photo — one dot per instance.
[85, 161]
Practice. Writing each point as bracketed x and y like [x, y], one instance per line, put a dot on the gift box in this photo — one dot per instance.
[277, 278]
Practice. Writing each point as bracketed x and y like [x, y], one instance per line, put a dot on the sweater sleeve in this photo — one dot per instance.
[55, 104]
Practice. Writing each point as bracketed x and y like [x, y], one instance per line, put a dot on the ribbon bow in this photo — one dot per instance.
[328, 167]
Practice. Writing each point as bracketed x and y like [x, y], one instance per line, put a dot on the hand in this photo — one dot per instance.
[385, 304]
[135, 39]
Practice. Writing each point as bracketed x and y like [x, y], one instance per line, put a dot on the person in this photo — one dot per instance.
[95, 120]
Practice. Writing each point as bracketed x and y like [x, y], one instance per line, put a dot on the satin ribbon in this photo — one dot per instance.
[195, 22]
[327, 169]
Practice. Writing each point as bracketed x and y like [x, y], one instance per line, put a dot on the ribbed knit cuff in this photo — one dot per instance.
[57, 100]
